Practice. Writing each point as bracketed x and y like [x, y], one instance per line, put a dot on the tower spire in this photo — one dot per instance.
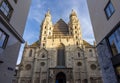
[73, 13]
[48, 13]
[46, 28]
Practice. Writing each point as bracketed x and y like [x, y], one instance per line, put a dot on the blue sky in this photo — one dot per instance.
[59, 9]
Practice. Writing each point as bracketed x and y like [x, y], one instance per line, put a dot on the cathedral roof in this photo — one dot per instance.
[35, 44]
[87, 44]
[60, 28]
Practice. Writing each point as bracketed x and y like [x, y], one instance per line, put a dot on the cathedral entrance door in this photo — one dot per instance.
[60, 78]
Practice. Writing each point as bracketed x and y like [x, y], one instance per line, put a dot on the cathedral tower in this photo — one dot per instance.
[46, 29]
[75, 29]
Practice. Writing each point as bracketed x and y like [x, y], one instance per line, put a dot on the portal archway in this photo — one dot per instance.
[61, 78]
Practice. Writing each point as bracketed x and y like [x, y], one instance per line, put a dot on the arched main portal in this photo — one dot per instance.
[60, 78]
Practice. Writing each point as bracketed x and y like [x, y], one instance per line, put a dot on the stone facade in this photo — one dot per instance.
[60, 56]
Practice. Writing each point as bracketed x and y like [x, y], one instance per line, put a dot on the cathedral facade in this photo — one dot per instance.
[60, 55]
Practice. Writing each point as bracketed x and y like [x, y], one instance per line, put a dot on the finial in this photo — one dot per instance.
[72, 10]
[48, 13]
[73, 13]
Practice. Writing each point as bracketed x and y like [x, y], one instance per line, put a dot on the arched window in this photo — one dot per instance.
[61, 55]
[76, 43]
[76, 37]
[78, 54]
[43, 44]
[44, 38]
[45, 27]
[44, 32]
[75, 27]
[30, 53]
[43, 55]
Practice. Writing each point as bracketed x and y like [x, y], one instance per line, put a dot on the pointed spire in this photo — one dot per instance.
[73, 13]
[48, 13]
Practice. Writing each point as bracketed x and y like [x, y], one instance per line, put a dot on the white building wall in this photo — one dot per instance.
[102, 26]
[17, 22]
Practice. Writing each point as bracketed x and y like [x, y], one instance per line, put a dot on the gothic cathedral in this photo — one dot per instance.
[60, 55]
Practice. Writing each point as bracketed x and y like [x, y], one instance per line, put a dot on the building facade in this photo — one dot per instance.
[105, 19]
[13, 15]
[59, 56]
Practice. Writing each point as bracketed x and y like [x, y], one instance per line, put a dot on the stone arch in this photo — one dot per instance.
[79, 52]
[42, 52]
[60, 78]
[61, 55]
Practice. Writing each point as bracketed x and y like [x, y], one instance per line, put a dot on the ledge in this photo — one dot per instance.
[11, 29]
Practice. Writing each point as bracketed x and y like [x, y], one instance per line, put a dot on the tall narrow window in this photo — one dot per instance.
[30, 53]
[44, 32]
[75, 27]
[44, 38]
[61, 55]
[78, 54]
[76, 37]
[109, 9]
[45, 27]
[76, 43]
[3, 39]
[6, 9]
[43, 44]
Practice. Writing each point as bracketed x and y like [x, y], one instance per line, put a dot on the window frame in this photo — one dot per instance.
[109, 34]
[108, 40]
[108, 6]
[9, 13]
[5, 40]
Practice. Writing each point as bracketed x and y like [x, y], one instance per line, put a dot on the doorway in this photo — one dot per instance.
[60, 78]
